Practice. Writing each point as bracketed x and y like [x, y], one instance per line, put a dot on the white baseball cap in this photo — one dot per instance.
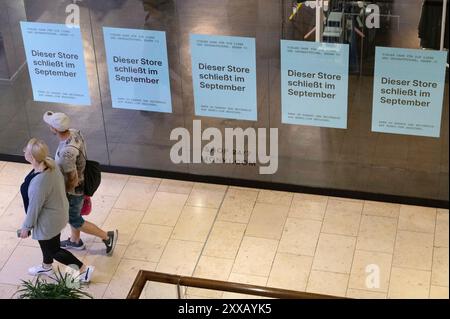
[59, 121]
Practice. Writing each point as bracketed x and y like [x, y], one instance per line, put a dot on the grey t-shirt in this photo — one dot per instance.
[69, 159]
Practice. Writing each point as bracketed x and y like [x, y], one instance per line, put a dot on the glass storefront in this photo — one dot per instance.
[352, 111]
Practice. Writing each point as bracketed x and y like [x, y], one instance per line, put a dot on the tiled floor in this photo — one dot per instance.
[319, 244]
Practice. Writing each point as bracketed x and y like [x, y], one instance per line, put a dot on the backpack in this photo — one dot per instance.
[92, 175]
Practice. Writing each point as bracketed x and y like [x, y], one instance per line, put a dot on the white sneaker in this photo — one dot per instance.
[40, 270]
[86, 276]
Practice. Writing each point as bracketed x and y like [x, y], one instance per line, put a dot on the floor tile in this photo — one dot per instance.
[101, 208]
[416, 218]
[334, 253]
[381, 209]
[14, 173]
[364, 294]
[13, 217]
[157, 290]
[145, 180]
[105, 266]
[244, 279]
[409, 284]
[344, 205]
[255, 256]
[180, 257]
[250, 194]
[126, 221]
[308, 206]
[16, 268]
[188, 296]
[96, 290]
[441, 234]
[270, 197]
[175, 187]
[148, 243]
[413, 250]
[341, 222]
[440, 267]
[165, 209]
[112, 184]
[290, 272]
[300, 236]
[437, 292]
[267, 221]
[136, 196]
[327, 283]
[346, 199]
[377, 234]
[371, 271]
[7, 194]
[8, 242]
[206, 187]
[206, 195]
[8, 291]
[124, 277]
[194, 223]
[237, 206]
[211, 268]
[224, 240]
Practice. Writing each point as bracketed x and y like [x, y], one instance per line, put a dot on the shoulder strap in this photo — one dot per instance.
[84, 144]
[78, 151]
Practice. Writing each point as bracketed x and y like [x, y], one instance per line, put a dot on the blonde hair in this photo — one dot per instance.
[39, 150]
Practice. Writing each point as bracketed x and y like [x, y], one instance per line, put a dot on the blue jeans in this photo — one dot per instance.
[75, 206]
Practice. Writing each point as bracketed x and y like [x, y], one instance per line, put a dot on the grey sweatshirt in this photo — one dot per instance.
[48, 211]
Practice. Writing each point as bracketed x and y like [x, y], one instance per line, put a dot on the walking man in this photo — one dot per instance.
[71, 158]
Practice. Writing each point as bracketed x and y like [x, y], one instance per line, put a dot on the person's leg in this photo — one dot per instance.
[109, 239]
[75, 234]
[67, 258]
[78, 223]
[75, 220]
[46, 267]
[46, 252]
[92, 229]
[63, 256]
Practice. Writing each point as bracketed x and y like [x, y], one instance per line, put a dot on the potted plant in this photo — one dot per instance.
[62, 287]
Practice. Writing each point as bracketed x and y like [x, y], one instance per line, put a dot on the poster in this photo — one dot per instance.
[408, 91]
[56, 64]
[224, 76]
[314, 83]
[138, 69]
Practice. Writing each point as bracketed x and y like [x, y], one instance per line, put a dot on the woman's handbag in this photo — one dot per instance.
[87, 206]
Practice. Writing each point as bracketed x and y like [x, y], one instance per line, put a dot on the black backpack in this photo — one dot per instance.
[92, 175]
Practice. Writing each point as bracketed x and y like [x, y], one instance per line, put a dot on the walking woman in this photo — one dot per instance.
[46, 208]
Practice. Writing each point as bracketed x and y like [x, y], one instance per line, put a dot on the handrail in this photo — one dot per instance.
[143, 276]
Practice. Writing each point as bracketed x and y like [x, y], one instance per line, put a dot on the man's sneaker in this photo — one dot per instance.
[68, 244]
[85, 277]
[40, 270]
[111, 242]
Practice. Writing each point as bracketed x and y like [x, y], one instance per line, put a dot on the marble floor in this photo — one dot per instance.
[319, 244]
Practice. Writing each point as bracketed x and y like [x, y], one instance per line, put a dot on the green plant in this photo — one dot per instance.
[64, 287]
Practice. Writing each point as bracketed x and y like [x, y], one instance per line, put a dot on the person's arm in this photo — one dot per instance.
[72, 181]
[69, 167]
[37, 193]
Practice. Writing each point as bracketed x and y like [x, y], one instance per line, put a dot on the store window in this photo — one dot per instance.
[356, 91]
